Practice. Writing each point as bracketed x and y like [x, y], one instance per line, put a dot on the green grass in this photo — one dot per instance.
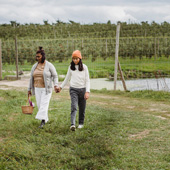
[104, 142]
[143, 94]
[132, 68]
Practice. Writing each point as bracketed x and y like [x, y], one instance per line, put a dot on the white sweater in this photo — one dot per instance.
[78, 79]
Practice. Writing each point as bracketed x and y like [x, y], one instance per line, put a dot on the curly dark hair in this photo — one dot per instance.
[80, 64]
[41, 51]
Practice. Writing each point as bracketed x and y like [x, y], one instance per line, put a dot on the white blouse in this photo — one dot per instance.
[78, 79]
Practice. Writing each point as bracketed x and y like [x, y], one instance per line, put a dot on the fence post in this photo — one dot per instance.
[16, 55]
[116, 54]
[0, 61]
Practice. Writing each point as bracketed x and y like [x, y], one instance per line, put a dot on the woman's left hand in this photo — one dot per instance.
[86, 96]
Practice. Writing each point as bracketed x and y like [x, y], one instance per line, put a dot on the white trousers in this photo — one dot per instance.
[43, 101]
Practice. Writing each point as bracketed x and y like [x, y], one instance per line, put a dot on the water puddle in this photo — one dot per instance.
[132, 85]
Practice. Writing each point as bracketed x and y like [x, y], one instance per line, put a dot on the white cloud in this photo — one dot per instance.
[157, 13]
[167, 18]
[117, 13]
[88, 11]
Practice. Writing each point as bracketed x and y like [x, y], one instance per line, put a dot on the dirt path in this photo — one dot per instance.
[6, 84]
[150, 109]
[147, 106]
[16, 84]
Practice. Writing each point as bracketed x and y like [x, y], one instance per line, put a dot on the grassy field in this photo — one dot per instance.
[122, 131]
[132, 68]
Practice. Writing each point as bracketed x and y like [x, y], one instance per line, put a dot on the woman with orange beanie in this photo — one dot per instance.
[79, 88]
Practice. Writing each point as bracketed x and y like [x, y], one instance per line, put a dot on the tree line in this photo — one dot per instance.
[76, 30]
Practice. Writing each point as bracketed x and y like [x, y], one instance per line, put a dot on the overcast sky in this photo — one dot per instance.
[84, 11]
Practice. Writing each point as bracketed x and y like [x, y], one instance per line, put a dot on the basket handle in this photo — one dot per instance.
[27, 103]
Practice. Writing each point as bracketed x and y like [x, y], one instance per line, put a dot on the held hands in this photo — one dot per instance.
[87, 95]
[29, 93]
[57, 89]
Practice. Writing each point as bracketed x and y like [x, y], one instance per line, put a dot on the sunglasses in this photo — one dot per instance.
[37, 56]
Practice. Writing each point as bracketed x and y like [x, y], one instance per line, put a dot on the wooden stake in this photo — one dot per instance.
[116, 54]
[122, 77]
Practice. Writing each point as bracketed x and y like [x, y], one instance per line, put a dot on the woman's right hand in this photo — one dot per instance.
[29, 93]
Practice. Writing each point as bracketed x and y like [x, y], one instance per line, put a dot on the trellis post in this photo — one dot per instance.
[116, 54]
[117, 64]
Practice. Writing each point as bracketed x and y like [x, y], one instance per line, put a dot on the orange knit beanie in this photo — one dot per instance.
[77, 53]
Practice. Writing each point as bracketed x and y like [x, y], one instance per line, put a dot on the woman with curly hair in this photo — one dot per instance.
[43, 73]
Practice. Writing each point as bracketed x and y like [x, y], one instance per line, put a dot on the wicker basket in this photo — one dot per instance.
[27, 109]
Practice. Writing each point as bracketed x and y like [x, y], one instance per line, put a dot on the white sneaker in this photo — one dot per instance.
[72, 127]
[80, 126]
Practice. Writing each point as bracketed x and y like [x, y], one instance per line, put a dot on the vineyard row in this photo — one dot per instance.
[91, 48]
